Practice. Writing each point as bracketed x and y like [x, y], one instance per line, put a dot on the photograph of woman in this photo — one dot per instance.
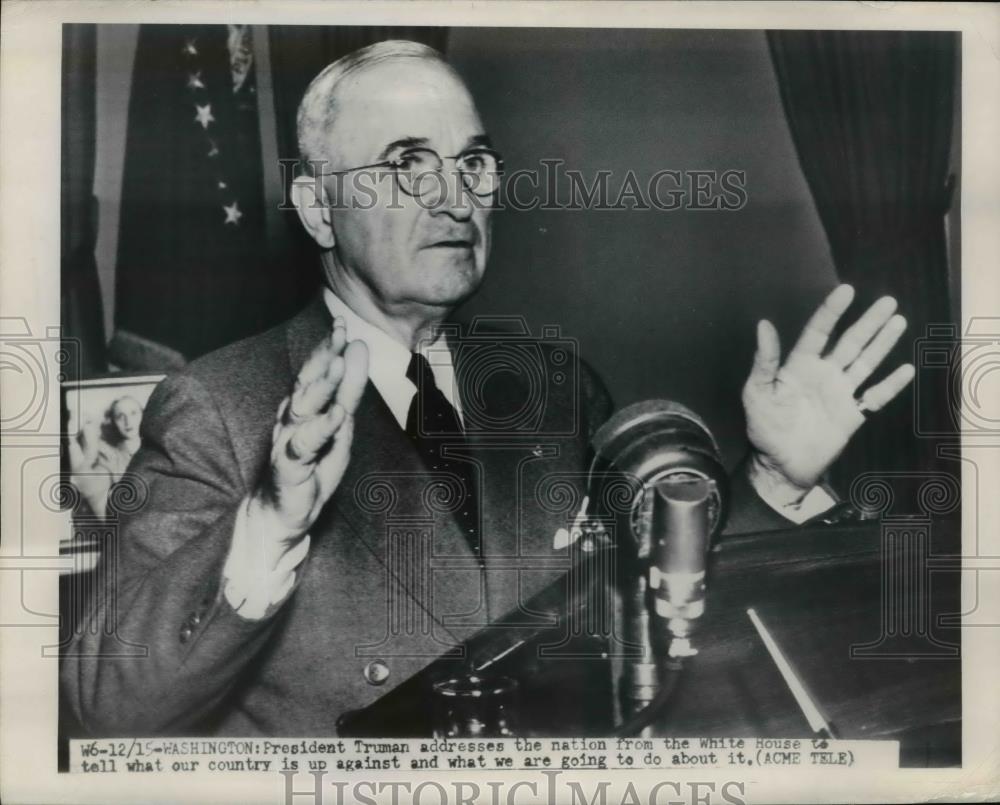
[102, 437]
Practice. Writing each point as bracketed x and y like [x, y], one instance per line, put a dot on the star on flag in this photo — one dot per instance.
[194, 80]
[233, 213]
[204, 115]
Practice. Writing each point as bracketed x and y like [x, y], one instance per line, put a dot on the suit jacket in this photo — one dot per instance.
[390, 583]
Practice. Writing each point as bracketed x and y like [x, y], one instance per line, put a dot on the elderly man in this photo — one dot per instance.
[296, 556]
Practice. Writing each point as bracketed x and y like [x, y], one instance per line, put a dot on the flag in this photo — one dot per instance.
[194, 271]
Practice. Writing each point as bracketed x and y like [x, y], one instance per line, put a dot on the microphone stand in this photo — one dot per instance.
[671, 594]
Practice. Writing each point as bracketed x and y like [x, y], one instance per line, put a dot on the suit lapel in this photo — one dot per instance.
[518, 561]
[388, 497]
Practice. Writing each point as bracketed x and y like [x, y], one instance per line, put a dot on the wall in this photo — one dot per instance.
[664, 303]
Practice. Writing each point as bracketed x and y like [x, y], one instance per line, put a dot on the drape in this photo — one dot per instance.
[871, 115]
[81, 308]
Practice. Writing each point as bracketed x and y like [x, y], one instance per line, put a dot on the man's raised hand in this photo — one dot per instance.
[801, 414]
[311, 441]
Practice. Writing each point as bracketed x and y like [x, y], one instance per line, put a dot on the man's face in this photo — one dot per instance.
[404, 250]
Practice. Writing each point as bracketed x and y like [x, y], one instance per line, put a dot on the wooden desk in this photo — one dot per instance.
[857, 611]
[855, 608]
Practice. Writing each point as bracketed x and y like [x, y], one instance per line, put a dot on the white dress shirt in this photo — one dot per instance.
[389, 358]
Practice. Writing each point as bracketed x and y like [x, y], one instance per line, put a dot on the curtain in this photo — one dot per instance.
[871, 115]
[298, 53]
[81, 308]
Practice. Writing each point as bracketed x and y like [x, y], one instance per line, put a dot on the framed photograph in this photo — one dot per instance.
[101, 421]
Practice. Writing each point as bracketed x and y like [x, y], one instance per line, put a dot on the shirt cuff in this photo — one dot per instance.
[260, 571]
[786, 499]
[816, 501]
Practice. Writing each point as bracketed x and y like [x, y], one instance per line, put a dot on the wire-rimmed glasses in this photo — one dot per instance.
[419, 172]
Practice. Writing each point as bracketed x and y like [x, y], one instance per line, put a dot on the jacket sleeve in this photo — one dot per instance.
[160, 646]
[748, 511]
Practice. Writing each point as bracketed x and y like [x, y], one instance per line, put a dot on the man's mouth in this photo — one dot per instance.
[452, 243]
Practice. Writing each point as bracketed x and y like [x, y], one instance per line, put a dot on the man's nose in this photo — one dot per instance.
[454, 197]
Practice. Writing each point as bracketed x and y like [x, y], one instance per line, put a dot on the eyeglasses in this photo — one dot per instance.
[419, 172]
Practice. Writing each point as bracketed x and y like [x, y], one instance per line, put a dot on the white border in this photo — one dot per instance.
[29, 287]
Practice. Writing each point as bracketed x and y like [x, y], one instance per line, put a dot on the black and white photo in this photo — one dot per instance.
[468, 396]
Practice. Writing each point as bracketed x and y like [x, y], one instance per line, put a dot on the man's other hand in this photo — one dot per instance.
[311, 442]
[801, 415]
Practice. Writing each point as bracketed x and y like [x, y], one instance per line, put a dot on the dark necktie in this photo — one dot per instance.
[432, 423]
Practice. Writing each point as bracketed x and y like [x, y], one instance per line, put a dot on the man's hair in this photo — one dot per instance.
[318, 109]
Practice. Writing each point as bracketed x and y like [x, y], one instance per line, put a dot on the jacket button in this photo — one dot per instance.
[376, 672]
[185, 634]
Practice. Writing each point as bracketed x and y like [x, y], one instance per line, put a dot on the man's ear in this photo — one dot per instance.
[309, 201]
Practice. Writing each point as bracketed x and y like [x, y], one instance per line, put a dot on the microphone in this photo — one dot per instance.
[680, 530]
[677, 504]
[647, 443]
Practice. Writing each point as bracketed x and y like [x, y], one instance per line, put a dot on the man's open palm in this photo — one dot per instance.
[801, 415]
[312, 437]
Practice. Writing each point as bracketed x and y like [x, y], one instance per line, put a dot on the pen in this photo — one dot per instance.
[817, 723]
